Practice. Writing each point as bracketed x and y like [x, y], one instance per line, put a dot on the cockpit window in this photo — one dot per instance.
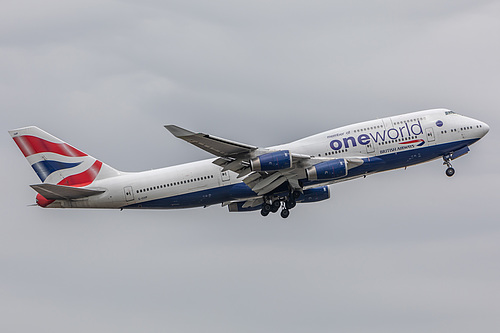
[449, 112]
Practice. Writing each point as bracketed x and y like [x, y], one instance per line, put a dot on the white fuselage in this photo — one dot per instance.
[383, 144]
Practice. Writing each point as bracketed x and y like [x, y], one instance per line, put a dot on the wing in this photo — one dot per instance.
[240, 157]
[236, 157]
[212, 144]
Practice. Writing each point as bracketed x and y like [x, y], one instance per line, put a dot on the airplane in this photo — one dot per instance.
[244, 177]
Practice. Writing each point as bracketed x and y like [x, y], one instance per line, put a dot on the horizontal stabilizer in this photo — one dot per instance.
[60, 192]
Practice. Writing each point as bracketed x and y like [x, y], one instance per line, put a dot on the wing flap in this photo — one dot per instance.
[268, 188]
[60, 192]
[266, 181]
[234, 165]
[253, 203]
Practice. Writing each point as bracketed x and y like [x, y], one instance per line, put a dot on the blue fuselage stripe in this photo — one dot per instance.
[395, 160]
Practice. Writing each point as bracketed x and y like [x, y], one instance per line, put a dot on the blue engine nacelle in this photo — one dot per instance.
[278, 160]
[327, 170]
[315, 194]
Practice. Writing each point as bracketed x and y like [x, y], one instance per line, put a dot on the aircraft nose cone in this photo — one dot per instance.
[485, 129]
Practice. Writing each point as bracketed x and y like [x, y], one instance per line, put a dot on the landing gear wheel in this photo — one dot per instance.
[450, 172]
[266, 208]
[275, 206]
[289, 204]
[296, 194]
[285, 213]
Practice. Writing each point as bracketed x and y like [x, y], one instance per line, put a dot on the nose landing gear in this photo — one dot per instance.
[449, 171]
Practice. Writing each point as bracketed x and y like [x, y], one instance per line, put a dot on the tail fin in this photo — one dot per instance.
[56, 162]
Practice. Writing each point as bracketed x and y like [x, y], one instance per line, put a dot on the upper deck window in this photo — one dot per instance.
[449, 112]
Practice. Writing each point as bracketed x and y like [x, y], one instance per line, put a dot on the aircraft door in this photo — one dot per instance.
[370, 148]
[225, 176]
[387, 123]
[429, 132]
[129, 193]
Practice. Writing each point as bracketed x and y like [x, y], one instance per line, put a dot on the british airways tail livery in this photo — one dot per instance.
[245, 177]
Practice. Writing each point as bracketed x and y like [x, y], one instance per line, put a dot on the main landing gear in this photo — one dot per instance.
[273, 205]
[449, 171]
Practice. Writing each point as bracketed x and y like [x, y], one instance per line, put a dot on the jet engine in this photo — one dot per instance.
[278, 160]
[315, 194]
[327, 170]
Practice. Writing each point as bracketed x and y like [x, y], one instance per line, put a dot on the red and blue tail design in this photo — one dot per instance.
[56, 162]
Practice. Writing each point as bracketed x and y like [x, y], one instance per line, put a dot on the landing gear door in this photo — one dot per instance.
[129, 193]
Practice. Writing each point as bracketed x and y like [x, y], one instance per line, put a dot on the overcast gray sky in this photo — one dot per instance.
[403, 251]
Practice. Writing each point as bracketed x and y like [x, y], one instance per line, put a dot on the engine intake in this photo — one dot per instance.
[327, 170]
[278, 160]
